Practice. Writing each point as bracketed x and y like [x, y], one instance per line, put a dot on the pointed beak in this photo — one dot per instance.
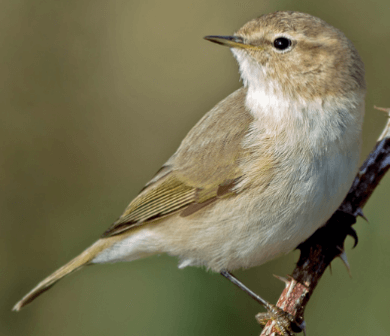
[229, 41]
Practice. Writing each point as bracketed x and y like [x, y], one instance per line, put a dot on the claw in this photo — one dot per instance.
[284, 322]
[263, 318]
[353, 234]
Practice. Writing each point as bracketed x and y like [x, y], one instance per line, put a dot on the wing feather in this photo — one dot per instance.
[204, 168]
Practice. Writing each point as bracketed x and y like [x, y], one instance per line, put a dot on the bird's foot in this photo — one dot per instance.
[285, 323]
[263, 318]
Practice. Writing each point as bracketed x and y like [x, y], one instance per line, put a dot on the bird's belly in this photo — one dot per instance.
[250, 229]
[247, 229]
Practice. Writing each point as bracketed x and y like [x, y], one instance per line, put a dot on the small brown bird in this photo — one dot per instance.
[261, 171]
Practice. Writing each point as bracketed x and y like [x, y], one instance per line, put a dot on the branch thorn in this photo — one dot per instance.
[283, 279]
[384, 109]
[353, 234]
[359, 212]
[343, 257]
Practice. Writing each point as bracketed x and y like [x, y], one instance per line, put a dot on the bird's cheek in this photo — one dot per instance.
[262, 58]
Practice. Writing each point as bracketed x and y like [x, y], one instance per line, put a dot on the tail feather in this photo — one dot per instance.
[74, 265]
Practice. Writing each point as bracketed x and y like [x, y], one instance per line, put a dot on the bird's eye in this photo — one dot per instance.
[282, 43]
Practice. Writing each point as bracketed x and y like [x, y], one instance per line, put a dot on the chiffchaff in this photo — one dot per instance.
[261, 171]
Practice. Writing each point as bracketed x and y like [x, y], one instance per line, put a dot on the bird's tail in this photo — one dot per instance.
[75, 264]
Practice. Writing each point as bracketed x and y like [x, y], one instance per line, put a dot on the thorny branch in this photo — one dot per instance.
[327, 243]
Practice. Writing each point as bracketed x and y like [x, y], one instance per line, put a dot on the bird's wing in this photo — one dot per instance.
[203, 169]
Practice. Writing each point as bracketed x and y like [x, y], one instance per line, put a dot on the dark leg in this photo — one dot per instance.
[240, 285]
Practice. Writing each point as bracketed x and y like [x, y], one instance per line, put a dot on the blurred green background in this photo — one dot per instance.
[95, 96]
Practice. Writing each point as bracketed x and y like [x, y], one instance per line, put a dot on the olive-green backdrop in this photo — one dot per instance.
[95, 96]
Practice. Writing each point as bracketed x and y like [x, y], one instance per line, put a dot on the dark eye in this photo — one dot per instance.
[282, 43]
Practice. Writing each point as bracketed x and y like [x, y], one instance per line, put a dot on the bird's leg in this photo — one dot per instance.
[252, 294]
[285, 322]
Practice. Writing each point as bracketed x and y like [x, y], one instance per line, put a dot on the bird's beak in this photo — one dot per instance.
[229, 41]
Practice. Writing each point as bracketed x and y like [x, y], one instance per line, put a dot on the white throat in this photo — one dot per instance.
[264, 95]
[316, 122]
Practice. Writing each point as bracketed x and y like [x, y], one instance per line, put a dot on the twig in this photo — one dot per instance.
[327, 243]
